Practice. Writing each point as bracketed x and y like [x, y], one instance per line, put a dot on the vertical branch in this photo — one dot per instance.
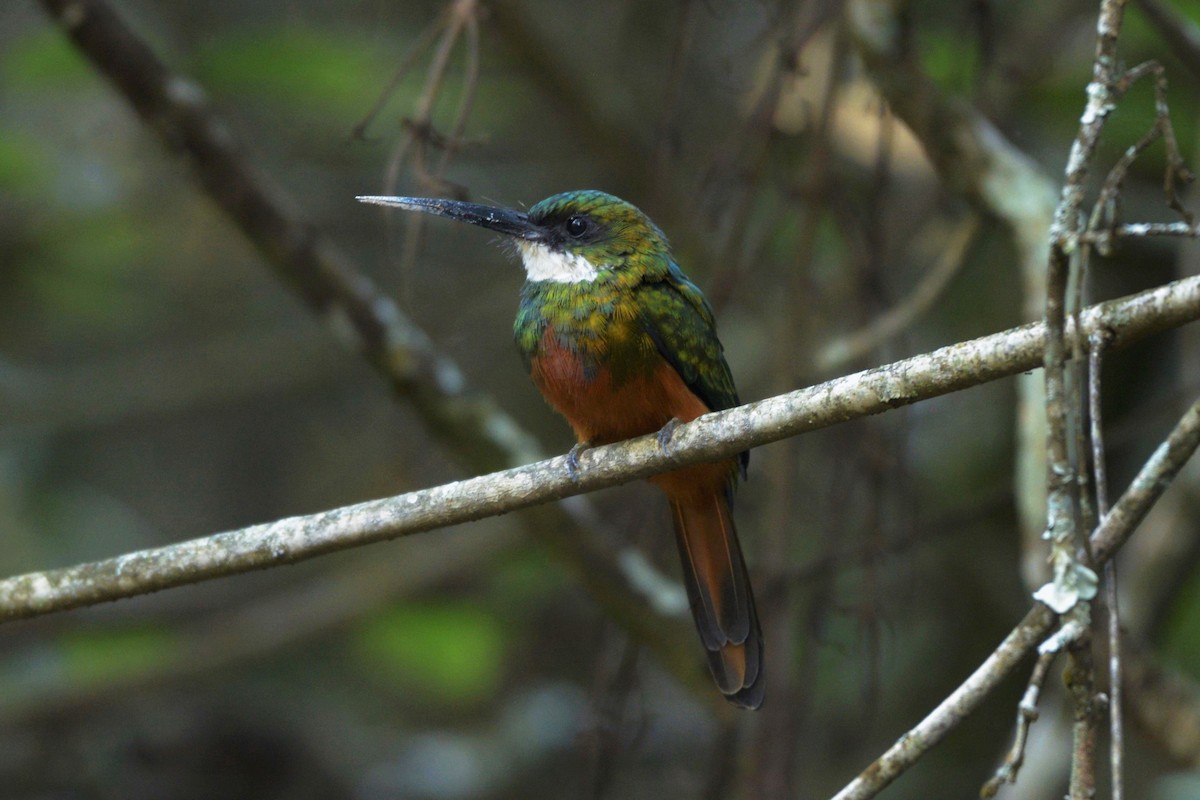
[1097, 342]
[1080, 679]
[1105, 213]
[1072, 581]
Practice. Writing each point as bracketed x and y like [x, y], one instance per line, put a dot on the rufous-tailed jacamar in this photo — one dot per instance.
[622, 344]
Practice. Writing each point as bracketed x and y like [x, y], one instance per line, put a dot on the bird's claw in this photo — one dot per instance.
[665, 434]
[573, 459]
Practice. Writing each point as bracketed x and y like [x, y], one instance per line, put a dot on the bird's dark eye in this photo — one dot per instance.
[577, 226]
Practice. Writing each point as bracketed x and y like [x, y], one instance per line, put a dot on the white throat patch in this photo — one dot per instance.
[544, 264]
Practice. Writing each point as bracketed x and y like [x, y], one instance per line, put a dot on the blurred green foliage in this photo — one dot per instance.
[1182, 630]
[93, 657]
[43, 60]
[293, 68]
[24, 164]
[454, 652]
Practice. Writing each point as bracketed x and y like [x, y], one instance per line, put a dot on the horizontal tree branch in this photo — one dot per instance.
[711, 437]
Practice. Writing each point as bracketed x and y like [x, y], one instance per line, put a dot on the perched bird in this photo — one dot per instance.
[622, 344]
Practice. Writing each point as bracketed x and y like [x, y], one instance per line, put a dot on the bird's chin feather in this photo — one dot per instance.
[546, 263]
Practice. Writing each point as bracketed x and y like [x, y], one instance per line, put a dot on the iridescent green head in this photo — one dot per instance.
[571, 237]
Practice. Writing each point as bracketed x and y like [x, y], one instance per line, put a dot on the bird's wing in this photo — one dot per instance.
[680, 322]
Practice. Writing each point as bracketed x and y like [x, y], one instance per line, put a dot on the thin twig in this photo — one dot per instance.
[420, 126]
[1106, 211]
[1115, 715]
[891, 322]
[1027, 714]
[406, 64]
[459, 21]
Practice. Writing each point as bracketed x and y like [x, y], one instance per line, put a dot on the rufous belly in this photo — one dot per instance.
[602, 410]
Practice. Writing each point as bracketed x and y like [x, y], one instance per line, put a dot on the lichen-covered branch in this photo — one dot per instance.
[1072, 581]
[710, 437]
[1031, 633]
[1027, 714]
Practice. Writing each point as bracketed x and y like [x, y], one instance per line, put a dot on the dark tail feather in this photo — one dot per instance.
[722, 602]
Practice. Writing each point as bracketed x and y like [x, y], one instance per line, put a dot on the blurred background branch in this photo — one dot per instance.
[468, 422]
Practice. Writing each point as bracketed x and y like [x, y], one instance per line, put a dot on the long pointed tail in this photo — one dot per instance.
[718, 587]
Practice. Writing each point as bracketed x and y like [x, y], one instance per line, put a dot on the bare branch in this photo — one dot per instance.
[1146, 488]
[710, 437]
[954, 709]
[1115, 529]
[1116, 726]
[1027, 714]
[459, 21]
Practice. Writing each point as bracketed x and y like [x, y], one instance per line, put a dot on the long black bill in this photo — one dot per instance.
[501, 220]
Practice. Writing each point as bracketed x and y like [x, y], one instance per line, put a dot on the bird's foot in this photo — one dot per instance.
[573, 459]
[665, 434]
